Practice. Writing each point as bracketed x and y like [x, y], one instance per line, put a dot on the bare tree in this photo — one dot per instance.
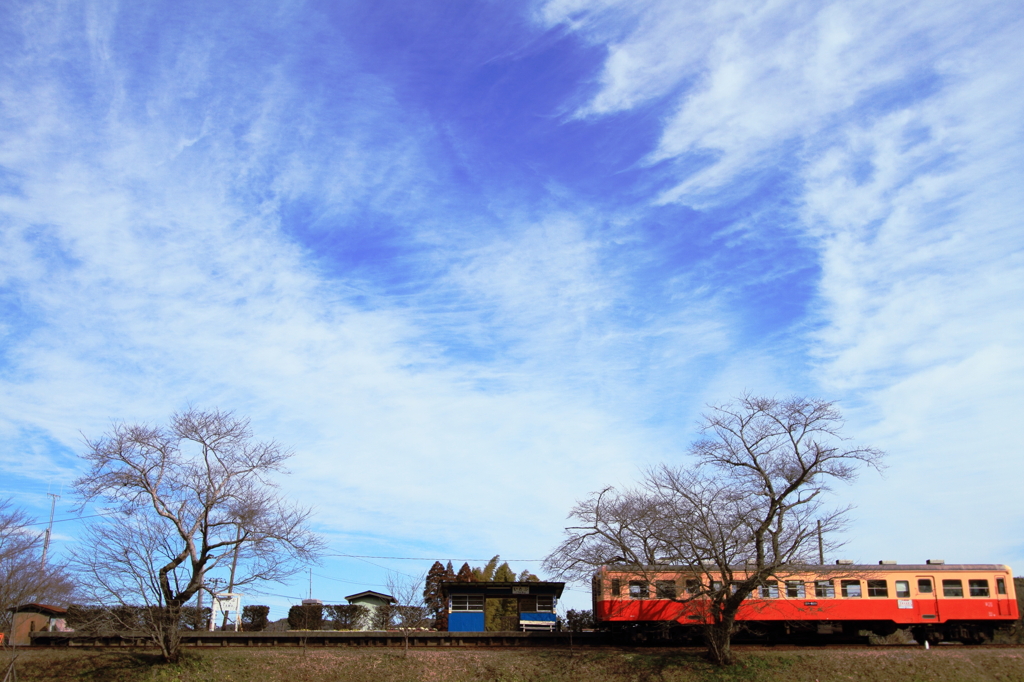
[24, 578]
[745, 511]
[189, 498]
[409, 613]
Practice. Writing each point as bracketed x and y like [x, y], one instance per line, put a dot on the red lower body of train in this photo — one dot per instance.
[934, 602]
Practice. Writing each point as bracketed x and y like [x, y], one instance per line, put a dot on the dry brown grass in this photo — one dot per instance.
[953, 664]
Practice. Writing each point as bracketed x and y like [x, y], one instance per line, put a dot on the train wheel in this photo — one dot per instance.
[977, 636]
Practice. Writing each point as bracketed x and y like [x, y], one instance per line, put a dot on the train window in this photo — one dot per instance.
[639, 589]
[616, 587]
[693, 586]
[795, 589]
[878, 588]
[716, 585]
[467, 602]
[1000, 586]
[978, 588]
[770, 590]
[902, 589]
[952, 588]
[850, 588]
[665, 589]
[924, 585]
[824, 589]
[545, 603]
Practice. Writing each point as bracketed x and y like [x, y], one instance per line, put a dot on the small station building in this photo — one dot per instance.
[536, 603]
[29, 618]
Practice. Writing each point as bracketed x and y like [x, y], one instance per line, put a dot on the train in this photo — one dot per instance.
[934, 601]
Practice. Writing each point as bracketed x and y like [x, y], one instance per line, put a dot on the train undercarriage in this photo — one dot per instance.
[814, 633]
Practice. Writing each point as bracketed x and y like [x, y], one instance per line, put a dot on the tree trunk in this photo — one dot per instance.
[719, 642]
[168, 632]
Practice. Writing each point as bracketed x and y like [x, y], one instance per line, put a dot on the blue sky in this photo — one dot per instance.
[473, 260]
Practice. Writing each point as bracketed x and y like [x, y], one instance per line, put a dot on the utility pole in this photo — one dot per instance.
[231, 581]
[49, 528]
[213, 594]
[199, 602]
[821, 547]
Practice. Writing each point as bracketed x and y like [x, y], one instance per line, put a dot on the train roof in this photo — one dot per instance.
[826, 568]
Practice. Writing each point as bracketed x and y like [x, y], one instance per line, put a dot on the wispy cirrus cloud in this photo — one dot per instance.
[189, 230]
[893, 132]
[471, 267]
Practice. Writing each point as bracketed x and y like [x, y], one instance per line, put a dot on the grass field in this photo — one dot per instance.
[941, 664]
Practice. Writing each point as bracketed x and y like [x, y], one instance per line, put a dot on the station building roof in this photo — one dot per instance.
[45, 609]
[504, 589]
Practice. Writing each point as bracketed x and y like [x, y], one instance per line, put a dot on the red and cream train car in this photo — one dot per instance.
[964, 602]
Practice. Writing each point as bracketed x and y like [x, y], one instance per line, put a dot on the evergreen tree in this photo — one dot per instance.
[499, 614]
[306, 617]
[465, 575]
[433, 596]
[504, 574]
[502, 614]
[486, 573]
[255, 618]
[347, 616]
[578, 621]
[449, 577]
[527, 577]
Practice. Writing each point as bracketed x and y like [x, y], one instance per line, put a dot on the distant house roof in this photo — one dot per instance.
[370, 593]
[46, 609]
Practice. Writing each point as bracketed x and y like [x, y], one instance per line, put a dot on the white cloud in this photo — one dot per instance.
[756, 76]
[900, 124]
[149, 266]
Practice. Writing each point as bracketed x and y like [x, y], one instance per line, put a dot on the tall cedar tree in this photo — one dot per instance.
[465, 575]
[433, 595]
[449, 576]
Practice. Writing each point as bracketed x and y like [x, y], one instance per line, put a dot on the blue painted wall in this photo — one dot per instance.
[538, 616]
[466, 621]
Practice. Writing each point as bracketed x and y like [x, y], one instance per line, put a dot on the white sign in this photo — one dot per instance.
[223, 603]
[520, 590]
[905, 603]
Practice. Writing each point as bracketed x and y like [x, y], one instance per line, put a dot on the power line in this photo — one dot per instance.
[351, 582]
[70, 518]
[423, 558]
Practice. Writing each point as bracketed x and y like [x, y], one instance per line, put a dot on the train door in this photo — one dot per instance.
[926, 598]
[1002, 595]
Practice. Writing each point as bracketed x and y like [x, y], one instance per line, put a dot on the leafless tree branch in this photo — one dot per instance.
[746, 511]
[189, 497]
